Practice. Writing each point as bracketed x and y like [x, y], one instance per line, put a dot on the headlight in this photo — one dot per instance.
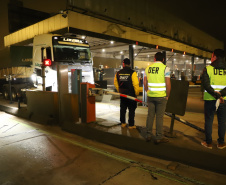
[33, 77]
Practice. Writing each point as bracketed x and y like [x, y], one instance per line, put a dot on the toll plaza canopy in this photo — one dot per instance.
[72, 21]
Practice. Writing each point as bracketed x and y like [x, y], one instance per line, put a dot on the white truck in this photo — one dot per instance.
[21, 66]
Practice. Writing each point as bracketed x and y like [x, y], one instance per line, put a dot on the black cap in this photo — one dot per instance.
[126, 61]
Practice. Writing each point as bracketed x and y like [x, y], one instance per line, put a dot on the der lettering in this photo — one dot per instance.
[219, 72]
[153, 70]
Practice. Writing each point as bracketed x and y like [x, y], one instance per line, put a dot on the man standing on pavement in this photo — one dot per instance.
[126, 82]
[158, 86]
[214, 83]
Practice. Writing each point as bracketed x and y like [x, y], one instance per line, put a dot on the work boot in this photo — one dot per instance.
[123, 125]
[205, 144]
[221, 146]
[148, 138]
[163, 140]
[132, 127]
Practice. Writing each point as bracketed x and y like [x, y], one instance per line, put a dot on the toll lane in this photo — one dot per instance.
[31, 153]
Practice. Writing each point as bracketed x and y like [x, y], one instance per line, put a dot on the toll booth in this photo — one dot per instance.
[88, 108]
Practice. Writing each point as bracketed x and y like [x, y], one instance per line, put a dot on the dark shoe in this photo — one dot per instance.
[163, 140]
[204, 143]
[132, 127]
[148, 138]
[221, 146]
[123, 125]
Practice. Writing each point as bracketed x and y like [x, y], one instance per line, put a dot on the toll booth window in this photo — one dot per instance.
[64, 53]
[38, 72]
[48, 52]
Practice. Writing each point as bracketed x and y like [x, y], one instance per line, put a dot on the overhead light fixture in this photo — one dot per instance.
[103, 50]
[134, 46]
[83, 37]
[112, 42]
[121, 52]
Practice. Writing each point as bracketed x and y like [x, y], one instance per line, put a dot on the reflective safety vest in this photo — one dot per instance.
[217, 81]
[156, 80]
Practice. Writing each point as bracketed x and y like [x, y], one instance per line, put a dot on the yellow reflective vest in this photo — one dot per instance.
[217, 81]
[156, 80]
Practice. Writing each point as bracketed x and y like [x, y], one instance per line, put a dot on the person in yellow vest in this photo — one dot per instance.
[126, 82]
[214, 83]
[158, 86]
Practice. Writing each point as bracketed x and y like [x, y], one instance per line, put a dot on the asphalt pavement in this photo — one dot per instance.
[185, 148]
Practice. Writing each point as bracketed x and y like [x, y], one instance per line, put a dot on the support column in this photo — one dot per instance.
[185, 68]
[122, 58]
[204, 62]
[131, 56]
[164, 53]
[62, 80]
[192, 67]
[173, 68]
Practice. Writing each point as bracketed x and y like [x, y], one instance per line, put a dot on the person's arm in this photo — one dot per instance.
[135, 83]
[223, 92]
[167, 81]
[116, 82]
[145, 82]
[207, 86]
[168, 86]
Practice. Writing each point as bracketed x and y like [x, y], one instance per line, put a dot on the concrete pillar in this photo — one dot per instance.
[62, 80]
[131, 56]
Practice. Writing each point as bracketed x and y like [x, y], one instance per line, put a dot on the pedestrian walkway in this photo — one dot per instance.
[185, 148]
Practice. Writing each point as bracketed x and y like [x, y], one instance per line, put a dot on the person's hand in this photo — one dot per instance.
[221, 99]
[217, 94]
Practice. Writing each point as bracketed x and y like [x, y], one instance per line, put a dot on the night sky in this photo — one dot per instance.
[209, 16]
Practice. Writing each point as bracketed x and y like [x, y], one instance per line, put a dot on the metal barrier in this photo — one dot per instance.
[100, 91]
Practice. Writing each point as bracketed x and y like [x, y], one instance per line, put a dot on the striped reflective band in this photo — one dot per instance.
[157, 89]
[152, 86]
[156, 84]
[217, 87]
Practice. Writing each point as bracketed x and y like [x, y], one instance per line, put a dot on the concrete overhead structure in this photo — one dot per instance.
[128, 21]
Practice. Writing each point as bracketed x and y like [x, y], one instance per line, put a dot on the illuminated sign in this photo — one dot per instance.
[26, 59]
[72, 40]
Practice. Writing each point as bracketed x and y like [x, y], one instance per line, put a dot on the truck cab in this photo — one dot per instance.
[58, 49]
[61, 50]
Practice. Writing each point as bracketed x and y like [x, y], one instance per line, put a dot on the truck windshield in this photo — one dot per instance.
[71, 54]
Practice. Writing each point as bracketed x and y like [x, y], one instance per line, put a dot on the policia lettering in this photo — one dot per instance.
[219, 72]
[153, 70]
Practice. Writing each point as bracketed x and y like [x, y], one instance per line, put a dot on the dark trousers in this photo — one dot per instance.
[209, 110]
[131, 105]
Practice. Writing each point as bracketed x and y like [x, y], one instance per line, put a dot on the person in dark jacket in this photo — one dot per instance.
[126, 82]
[214, 83]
